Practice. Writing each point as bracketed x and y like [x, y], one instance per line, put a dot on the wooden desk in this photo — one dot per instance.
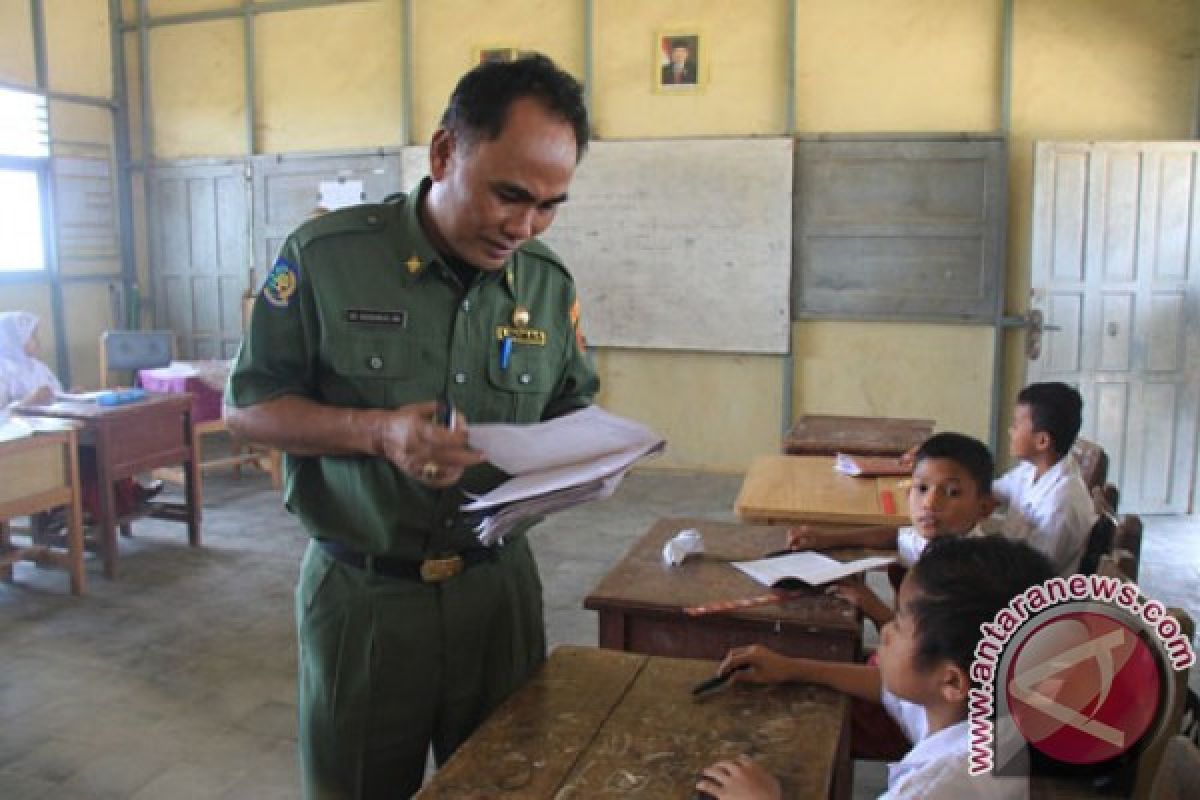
[601, 724]
[786, 489]
[827, 434]
[640, 601]
[39, 473]
[128, 440]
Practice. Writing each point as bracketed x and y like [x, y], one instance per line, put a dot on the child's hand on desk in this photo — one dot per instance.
[856, 593]
[740, 779]
[806, 537]
[756, 664]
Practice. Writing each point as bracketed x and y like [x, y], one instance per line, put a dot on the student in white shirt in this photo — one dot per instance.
[1048, 504]
[923, 676]
[950, 494]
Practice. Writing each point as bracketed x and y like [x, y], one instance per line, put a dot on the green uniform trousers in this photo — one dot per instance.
[389, 666]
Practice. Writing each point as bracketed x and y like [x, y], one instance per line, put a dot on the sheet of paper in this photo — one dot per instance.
[540, 482]
[14, 428]
[577, 437]
[813, 568]
[339, 194]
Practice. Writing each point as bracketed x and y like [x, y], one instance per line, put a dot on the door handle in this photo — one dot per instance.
[1036, 325]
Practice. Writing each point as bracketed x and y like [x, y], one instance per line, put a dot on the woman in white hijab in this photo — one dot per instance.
[23, 378]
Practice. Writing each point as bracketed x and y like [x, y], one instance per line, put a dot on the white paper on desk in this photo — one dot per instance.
[812, 568]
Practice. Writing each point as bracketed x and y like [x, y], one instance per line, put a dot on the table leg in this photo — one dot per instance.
[191, 482]
[108, 507]
[75, 524]
[6, 571]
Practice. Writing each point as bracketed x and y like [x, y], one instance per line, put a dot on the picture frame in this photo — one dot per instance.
[494, 53]
[679, 61]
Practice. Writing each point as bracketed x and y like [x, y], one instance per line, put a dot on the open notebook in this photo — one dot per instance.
[808, 567]
[870, 466]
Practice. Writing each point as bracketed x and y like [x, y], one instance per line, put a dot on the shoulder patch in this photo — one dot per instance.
[280, 285]
[354, 219]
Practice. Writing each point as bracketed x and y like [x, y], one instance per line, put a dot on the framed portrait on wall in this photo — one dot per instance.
[678, 65]
[495, 53]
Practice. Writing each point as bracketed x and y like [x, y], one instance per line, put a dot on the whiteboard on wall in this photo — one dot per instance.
[678, 244]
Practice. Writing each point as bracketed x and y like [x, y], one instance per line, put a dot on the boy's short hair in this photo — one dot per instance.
[1055, 409]
[966, 451]
[479, 105]
[961, 583]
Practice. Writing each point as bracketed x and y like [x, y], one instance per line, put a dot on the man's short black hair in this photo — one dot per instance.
[966, 451]
[1055, 409]
[961, 582]
[478, 106]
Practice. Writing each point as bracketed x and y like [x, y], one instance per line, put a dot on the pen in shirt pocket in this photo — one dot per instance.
[506, 346]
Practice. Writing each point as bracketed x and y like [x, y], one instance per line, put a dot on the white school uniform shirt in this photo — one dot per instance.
[910, 544]
[936, 766]
[1055, 514]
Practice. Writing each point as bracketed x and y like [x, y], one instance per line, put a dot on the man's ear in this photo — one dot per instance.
[441, 150]
[953, 683]
[1043, 442]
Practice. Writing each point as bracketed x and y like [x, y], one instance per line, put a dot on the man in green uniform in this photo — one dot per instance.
[410, 631]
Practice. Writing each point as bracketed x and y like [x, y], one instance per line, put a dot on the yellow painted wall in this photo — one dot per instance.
[897, 65]
[197, 93]
[743, 68]
[16, 43]
[888, 369]
[78, 56]
[716, 411]
[446, 37]
[329, 78]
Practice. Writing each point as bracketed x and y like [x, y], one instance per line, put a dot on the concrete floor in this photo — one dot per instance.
[177, 680]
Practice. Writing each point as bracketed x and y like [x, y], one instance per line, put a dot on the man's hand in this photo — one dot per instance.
[740, 779]
[758, 664]
[411, 438]
[41, 396]
[806, 537]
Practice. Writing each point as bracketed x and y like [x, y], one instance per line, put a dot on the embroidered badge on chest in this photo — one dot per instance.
[281, 282]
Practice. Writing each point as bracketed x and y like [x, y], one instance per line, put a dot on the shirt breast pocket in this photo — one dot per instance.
[521, 391]
[368, 371]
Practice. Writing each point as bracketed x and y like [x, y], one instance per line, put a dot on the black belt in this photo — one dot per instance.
[431, 570]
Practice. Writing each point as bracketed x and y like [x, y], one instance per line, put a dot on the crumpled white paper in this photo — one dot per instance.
[681, 545]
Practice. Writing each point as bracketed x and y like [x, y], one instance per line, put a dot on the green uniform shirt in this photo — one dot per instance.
[359, 311]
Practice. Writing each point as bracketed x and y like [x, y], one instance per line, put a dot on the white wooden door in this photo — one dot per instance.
[1116, 255]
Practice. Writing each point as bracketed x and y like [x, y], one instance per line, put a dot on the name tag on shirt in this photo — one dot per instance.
[373, 317]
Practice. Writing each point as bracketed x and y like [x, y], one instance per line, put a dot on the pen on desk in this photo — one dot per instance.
[717, 681]
[506, 346]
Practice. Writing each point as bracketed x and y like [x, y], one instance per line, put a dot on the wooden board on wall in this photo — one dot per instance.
[677, 244]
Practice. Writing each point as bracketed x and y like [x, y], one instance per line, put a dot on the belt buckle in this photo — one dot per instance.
[436, 570]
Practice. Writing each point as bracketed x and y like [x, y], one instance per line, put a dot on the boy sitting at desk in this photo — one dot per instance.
[949, 496]
[1048, 503]
[923, 675]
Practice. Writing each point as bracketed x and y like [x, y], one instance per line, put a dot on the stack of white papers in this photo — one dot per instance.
[555, 465]
[812, 568]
